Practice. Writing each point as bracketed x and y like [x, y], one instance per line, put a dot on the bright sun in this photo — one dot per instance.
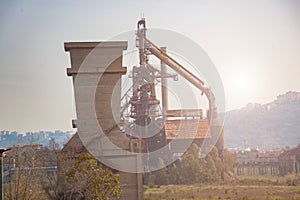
[241, 81]
[241, 87]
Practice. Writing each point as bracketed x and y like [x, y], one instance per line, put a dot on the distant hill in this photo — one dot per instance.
[276, 124]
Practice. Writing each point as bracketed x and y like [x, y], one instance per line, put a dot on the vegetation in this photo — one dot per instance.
[192, 169]
[25, 177]
[230, 160]
[274, 188]
[90, 180]
[29, 177]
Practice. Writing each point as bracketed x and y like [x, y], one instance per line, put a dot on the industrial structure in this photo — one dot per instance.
[96, 68]
[257, 164]
[153, 120]
[289, 161]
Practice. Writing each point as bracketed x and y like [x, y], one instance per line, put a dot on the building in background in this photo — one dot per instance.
[289, 161]
[255, 163]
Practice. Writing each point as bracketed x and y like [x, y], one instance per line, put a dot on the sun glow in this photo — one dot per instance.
[241, 86]
[241, 81]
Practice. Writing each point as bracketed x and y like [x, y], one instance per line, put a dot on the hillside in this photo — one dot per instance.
[276, 124]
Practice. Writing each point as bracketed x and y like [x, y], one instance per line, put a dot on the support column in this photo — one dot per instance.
[98, 105]
[1, 171]
[164, 85]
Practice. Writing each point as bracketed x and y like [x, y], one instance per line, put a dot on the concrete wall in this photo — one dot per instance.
[96, 68]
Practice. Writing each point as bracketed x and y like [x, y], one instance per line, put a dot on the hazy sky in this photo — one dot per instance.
[254, 44]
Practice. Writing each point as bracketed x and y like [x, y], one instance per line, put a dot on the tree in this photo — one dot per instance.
[90, 180]
[214, 165]
[191, 169]
[230, 160]
[174, 173]
[211, 172]
[24, 175]
[161, 176]
[50, 186]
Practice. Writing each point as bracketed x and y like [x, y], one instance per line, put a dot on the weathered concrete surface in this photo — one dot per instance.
[98, 105]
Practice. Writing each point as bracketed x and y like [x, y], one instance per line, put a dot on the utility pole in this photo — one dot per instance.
[1, 171]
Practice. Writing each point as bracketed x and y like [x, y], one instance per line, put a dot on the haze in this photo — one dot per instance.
[255, 46]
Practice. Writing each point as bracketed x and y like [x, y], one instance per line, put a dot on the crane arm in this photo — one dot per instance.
[168, 60]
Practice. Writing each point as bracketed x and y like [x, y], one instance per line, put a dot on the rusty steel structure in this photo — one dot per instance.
[144, 77]
[146, 46]
[147, 117]
[143, 102]
[156, 125]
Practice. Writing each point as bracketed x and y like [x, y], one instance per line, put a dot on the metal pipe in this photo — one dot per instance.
[164, 85]
[164, 57]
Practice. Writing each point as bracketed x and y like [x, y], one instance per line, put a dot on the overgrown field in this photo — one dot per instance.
[246, 188]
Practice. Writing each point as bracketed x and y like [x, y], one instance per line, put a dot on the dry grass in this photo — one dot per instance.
[245, 189]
